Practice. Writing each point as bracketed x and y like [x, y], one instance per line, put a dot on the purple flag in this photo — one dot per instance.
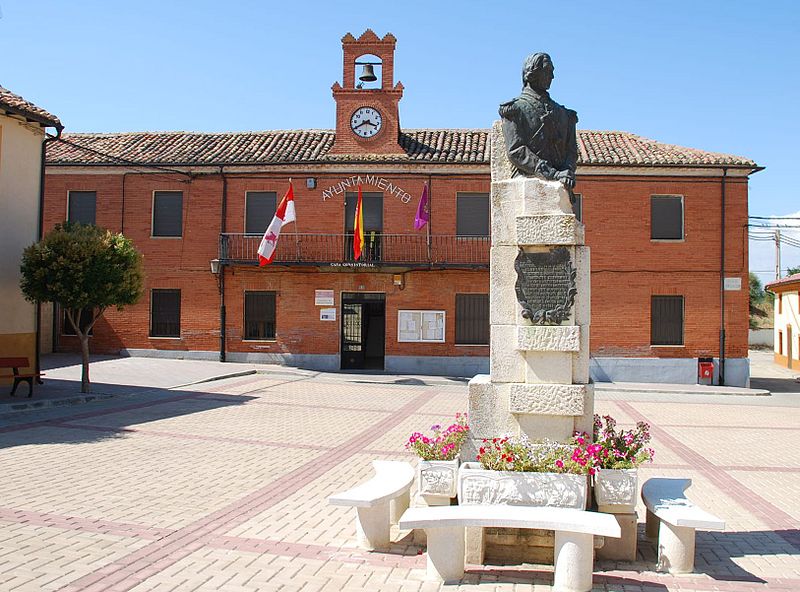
[423, 210]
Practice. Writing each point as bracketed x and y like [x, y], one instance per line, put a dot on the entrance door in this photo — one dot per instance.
[789, 346]
[363, 331]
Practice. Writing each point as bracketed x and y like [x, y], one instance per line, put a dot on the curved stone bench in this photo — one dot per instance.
[673, 519]
[372, 499]
[574, 549]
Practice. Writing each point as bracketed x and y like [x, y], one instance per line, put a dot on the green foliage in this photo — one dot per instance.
[756, 290]
[80, 266]
[792, 270]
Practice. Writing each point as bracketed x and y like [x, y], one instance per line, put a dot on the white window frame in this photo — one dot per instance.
[418, 316]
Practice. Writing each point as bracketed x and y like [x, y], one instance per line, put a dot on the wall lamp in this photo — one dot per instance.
[215, 265]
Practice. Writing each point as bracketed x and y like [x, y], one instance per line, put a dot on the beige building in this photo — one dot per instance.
[787, 320]
[22, 134]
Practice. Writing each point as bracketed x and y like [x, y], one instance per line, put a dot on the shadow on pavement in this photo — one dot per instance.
[776, 385]
[110, 421]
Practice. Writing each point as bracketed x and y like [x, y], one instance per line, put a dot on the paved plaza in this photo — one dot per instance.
[222, 485]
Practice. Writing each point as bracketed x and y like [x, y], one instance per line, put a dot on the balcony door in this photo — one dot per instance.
[373, 225]
[363, 331]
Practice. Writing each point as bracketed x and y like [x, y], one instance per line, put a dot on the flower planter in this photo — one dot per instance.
[615, 490]
[438, 478]
[479, 486]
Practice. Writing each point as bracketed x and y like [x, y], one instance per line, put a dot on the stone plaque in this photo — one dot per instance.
[545, 285]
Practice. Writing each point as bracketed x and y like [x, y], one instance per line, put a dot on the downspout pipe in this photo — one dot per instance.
[39, 235]
[222, 227]
[722, 280]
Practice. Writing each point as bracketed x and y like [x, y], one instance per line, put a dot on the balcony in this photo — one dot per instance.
[380, 250]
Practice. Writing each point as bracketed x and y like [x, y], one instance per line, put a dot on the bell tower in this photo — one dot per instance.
[367, 115]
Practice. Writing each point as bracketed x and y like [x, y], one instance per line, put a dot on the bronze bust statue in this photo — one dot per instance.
[539, 133]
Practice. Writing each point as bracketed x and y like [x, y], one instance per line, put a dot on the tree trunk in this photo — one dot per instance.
[85, 385]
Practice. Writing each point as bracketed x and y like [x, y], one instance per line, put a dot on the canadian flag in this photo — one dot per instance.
[283, 215]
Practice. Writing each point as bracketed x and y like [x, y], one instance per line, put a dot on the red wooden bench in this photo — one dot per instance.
[15, 364]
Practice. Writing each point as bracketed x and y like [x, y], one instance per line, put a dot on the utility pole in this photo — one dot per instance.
[777, 253]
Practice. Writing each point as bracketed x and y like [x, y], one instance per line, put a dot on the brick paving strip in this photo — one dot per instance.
[781, 522]
[129, 571]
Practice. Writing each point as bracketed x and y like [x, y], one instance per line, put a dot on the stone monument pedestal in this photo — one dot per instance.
[539, 382]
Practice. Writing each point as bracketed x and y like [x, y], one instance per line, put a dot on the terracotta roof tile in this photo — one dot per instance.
[16, 104]
[786, 282]
[465, 146]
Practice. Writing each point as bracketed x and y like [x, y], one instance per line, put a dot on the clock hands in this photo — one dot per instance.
[365, 122]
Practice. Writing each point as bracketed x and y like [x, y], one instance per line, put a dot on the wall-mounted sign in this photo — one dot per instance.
[323, 298]
[352, 183]
[733, 283]
[327, 314]
[352, 264]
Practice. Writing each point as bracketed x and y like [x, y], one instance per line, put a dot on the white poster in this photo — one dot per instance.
[327, 314]
[323, 298]
[420, 325]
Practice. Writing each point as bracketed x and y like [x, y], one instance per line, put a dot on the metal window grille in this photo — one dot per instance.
[666, 320]
[168, 213]
[472, 214]
[259, 315]
[165, 313]
[666, 217]
[82, 207]
[472, 319]
[259, 210]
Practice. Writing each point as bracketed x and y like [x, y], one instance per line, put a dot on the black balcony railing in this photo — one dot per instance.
[379, 249]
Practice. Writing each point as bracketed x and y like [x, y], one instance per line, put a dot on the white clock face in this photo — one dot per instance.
[366, 122]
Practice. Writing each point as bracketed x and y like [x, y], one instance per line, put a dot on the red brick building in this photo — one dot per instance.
[666, 225]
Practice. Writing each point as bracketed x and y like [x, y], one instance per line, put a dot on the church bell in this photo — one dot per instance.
[367, 74]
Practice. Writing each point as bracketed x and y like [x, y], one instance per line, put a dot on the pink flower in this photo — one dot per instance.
[560, 463]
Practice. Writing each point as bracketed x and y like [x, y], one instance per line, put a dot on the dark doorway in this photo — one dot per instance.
[363, 331]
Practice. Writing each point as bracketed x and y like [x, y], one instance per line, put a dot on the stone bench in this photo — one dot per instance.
[378, 502]
[574, 537]
[673, 519]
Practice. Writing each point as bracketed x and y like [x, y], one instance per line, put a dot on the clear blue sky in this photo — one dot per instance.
[716, 75]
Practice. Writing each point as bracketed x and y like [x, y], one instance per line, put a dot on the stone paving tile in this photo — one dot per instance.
[181, 490]
[163, 483]
[36, 558]
[746, 447]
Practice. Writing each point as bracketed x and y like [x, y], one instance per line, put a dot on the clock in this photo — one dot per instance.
[366, 122]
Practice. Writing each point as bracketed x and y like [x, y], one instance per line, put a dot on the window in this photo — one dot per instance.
[259, 315]
[82, 207]
[168, 213]
[666, 217]
[577, 207]
[420, 325]
[373, 224]
[780, 303]
[472, 319]
[259, 210]
[666, 320]
[165, 313]
[85, 319]
[780, 343]
[472, 214]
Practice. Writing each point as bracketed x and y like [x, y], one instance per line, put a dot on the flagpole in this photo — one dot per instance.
[296, 236]
[430, 217]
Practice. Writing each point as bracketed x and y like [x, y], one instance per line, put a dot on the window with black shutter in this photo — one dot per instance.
[82, 207]
[666, 217]
[373, 210]
[259, 210]
[666, 320]
[259, 315]
[168, 213]
[83, 322]
[165, 313]
[472, 214]
[472, 319]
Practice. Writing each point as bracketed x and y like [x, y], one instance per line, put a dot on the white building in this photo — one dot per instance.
[22, 134]
[787, 320]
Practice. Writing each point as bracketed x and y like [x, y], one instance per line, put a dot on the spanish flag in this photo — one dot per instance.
[358, 227]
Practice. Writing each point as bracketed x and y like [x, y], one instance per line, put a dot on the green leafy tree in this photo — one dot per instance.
[82, 267]
[792, 270]
[757, 297]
